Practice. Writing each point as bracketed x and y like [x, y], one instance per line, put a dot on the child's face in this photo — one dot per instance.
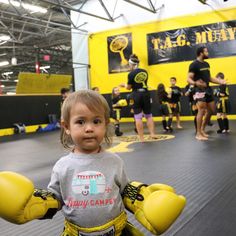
[172, 82]
[87, 129]
[116, 91]
[131, 66]
[65, 95]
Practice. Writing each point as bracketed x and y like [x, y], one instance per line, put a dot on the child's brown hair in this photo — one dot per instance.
[95, 103]
[220, 75]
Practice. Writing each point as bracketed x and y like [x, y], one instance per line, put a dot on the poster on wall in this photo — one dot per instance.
[181, 44]
[119, 49]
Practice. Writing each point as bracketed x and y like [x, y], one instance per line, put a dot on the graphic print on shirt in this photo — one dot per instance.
[88, 183]
[141, 78]
[90, 190]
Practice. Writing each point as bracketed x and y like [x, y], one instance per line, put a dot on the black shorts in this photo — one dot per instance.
[222, 106]
[130, 102]
[193, 108]
[142, 102]
[165, 109]
[175, 107]
[204, 95]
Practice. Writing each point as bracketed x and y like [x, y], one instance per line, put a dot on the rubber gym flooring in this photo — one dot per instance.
[205, 172]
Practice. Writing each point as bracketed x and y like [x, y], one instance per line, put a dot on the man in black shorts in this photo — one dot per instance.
[137, 81]
[199, 76]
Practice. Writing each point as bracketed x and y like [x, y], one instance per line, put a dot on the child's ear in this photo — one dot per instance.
[65, 126]
[108, 122]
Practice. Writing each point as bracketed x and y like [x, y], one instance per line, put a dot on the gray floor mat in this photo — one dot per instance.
[202, 171]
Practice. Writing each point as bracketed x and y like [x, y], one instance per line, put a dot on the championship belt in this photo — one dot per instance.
[113, 227]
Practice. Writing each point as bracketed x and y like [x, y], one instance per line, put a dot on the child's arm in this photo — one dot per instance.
[20, 202]
[126, 86]
[155, 206]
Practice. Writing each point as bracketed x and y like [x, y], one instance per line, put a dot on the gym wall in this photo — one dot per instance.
[38, 96]
[160, 73]
[29, 110]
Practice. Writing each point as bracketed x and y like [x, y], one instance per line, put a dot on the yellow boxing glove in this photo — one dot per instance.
[20, 202]
[122, 103]
[155, 206]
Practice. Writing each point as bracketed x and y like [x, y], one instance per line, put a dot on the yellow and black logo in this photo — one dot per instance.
[119, 50]
[118, 45]
[122, 144]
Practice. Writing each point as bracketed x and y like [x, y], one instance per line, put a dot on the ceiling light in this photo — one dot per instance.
[8, 73]
[11, 93]
[44, 67]
[26, 6]
[4, 37]
[4, 63]
[14, 61]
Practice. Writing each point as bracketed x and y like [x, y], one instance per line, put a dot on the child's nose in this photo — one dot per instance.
[89, 127]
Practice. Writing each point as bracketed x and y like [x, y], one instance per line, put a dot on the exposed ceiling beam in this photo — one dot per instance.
[35, 24]
[6, 28]
[151, 5]
[77, 10]
[68, 26]
[9, 46]
[105, 9]
[66, 14]
[19, 30]
[152, 9]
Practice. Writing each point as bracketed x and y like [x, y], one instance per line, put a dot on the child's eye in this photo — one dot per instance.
[80, 122]
[97, 121]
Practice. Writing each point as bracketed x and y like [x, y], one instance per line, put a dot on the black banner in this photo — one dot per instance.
[119, 49]
[181, 44]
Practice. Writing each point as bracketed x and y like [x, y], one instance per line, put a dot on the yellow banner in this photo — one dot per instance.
[32, 83]
[161, 73]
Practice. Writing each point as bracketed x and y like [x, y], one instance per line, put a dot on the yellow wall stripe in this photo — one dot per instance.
[28, 129]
